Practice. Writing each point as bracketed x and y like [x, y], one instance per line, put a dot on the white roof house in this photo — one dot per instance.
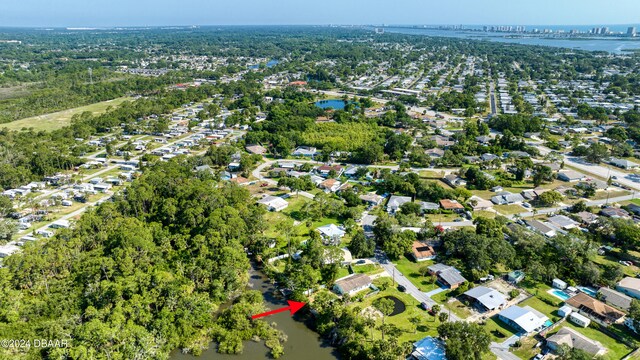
[60, 224]
[490, 299]
[524, 319]
[274, 203]
[331, 232]
[6, 250]
[563, 222]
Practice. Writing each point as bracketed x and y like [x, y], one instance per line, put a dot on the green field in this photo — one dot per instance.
[428, 324]
[57, 120]
[411, 270]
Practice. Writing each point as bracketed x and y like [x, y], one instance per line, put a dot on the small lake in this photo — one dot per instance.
[270, 64]
[302, 342]
[335, 104]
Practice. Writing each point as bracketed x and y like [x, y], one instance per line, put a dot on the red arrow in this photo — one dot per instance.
[293, 307]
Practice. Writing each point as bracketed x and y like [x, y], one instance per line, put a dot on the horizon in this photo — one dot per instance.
[160, 13]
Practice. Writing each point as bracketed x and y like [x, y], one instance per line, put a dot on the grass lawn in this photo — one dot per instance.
[543, 307]
[458, 308]
[539, 290]
[610, 194]
[484, 214]
[609, 259]
[617, 350]
[426, 327]
[498, 330]
[436, 218]
[509, 209]
[57, 120]
[411, 270]
[342, 272]
[636, 201]
[527, 349]
[370, 269]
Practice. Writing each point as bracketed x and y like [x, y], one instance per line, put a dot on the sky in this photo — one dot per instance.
[106, 13]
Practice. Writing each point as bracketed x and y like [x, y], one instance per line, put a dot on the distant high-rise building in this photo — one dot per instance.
[604, 30]
[631, 31]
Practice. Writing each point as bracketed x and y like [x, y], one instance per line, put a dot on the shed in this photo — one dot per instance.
[559, 284]
[565, 311]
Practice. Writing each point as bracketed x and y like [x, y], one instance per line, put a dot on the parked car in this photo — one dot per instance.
[424, 306]
[401, 288]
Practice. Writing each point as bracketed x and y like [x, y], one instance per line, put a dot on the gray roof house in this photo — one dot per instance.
[541, 228]
[352, 284]
[575, 340]
[563, 222]
[447, 275]
[615, 298]
[486, 298]
[571, 176]
[506, 197]
[623, 163]
[395, 202]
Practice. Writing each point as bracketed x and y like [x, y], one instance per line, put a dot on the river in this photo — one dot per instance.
[302, 342]
[612, 45]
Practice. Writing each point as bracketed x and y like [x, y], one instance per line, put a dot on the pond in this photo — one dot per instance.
[335, 104]
[398, 306]
[302, 342]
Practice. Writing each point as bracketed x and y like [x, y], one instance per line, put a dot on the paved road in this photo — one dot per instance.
[402, 280]
[593, 169]
[492, 99]
[502, 352]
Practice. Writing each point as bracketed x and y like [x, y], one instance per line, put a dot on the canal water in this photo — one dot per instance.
[302, 342]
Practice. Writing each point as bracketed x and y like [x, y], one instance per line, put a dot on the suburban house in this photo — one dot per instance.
[324, 170]
[454, 205]
[571, 176]
[447, 275]
[274, 203]
[330, 185]
[454, 180]
[515, 276]
[562, 222]
[507, 198]
[574, 340]
[428, 206]
[256, 149]
[595, 310]
[614, 212]
[352, 284]
[629, 286]
[240, 180]
[478, 203]
[587, 218]
[305, 151]
[434, 153]
[371, 199]
[541, 228]
[331, 233]
[622, 163]
[523, 319]
[486, 299]
[395, 202]
[422, 252]
[615, 298]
